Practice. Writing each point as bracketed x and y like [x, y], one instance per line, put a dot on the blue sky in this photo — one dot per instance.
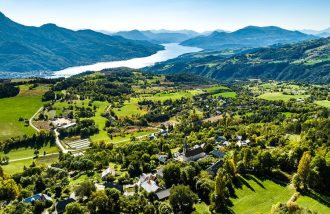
[199, 15]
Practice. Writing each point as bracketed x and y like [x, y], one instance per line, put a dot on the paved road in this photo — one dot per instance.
[32, 157]
[31, 119]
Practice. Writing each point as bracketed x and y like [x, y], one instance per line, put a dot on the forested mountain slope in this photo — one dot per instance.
[50, 47]
[306, 61]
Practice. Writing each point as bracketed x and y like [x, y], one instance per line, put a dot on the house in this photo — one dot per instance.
[162, 158]
[68, 125]
[217, 154]
[192, 154]
[159, 172]
[37, 197]
[152, 136]
[215, 167]
[115, 186]
[106, 172]
[148, 183]
[241, 143]
[226, 143]
[163, 194]
[163, 132]
[60, 206]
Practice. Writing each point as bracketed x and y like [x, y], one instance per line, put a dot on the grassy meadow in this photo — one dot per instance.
[280, 96]
[24, 105]
[324, 103]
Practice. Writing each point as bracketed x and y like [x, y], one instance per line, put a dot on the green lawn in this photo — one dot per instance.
[23, 105]
[17, 167]
[129, 109]
[313, 205]
[281, 96]
[29, 152]
[216, 88]
[259, 196]
[324, 103]
[230, 94]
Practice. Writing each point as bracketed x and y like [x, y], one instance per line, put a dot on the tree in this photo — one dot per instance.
[99, 203]
[182, 199]
[39, 185]
[220, 194]
[74, 208]
[165, 208]
[86, 188]
[304, 167]
[8, 189]
[171, 174]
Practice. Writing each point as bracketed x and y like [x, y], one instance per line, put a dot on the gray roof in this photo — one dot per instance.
[215, 167]
[218, 154]
[60, 206]
[193, 152]
[163, 194]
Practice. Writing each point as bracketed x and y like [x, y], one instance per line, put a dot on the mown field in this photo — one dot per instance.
[324, 103]
[24, 105]
[281, 96]
[18, 166]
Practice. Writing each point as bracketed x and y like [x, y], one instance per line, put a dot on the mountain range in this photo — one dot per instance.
[248, 37]
[49, 47]
[158, 36]
[307, 61]
[321, 33]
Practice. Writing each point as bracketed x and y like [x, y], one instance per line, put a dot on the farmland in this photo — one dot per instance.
[24, 105]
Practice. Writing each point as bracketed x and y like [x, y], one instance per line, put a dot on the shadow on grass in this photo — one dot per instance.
[316, 196]
[242, 181]
[251, 177]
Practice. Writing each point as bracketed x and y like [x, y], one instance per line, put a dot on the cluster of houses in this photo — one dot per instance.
[222, 141]
[59, 206]
[148, 182]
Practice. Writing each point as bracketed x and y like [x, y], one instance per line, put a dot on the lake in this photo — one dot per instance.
[171, 51]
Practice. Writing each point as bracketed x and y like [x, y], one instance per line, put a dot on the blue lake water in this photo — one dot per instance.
[171, 51]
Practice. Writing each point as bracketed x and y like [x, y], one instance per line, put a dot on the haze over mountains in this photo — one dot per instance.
[50, 47]
[158, 36]
[248, 37]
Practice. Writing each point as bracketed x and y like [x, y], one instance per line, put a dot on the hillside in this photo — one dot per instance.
[307, 61]
[50, 47]
[250, 37]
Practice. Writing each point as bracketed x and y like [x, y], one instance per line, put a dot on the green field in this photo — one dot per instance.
[216, 88]
[313, 205]
[23, 105]
[281, 96]
[29, 152]
[324, 103]
[258, 196]
[129, 109]
[17, 166]
[230, 94]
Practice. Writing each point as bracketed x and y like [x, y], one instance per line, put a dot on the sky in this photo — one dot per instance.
[198, 15]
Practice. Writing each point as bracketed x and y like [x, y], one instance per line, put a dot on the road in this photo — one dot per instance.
[31, 119]
[58, 142]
